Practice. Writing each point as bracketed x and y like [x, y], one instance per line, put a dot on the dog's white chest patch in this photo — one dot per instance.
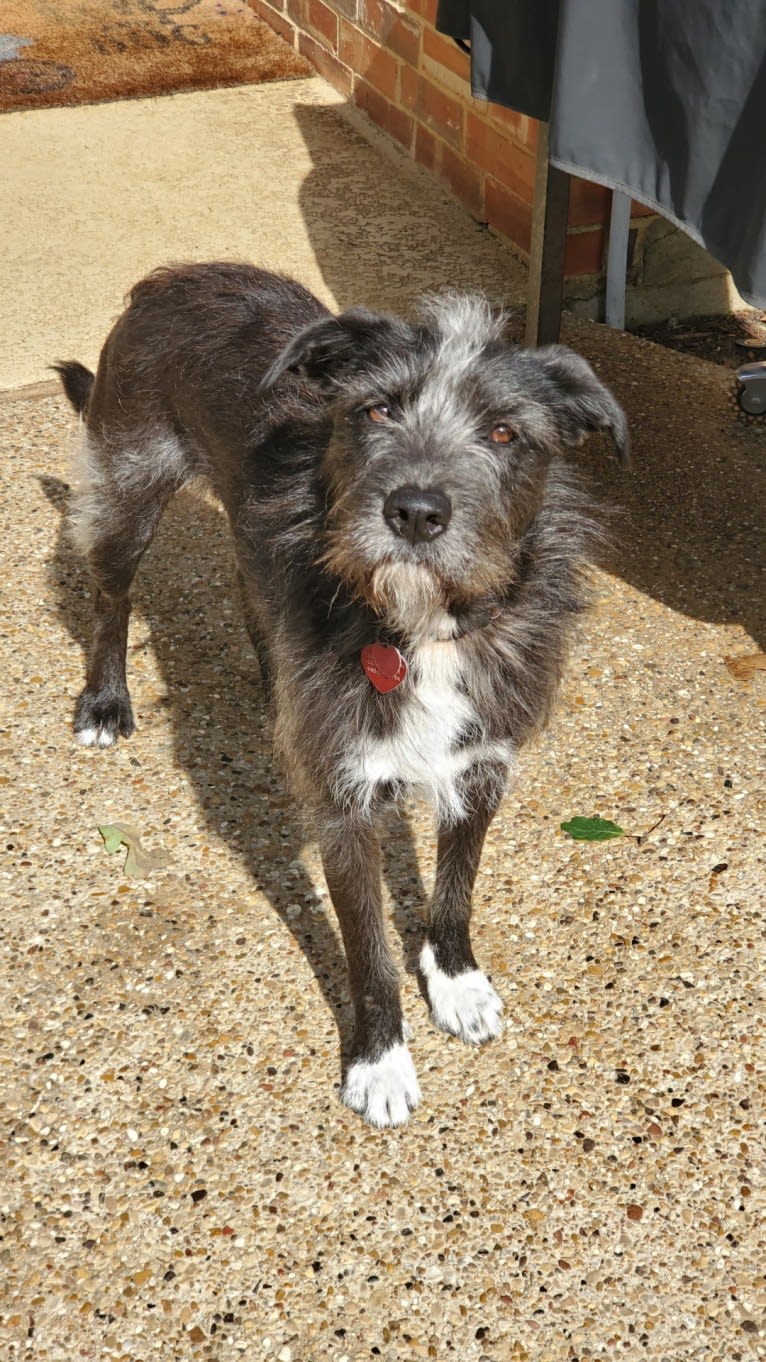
[424, 751]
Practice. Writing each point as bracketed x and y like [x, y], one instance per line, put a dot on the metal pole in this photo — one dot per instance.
[617, 259]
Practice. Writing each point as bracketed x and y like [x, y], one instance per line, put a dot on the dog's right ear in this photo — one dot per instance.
[328, 350]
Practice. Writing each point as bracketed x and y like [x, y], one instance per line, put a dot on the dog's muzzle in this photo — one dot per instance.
[417, 514]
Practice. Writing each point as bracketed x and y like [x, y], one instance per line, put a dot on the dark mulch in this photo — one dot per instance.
[730, 340]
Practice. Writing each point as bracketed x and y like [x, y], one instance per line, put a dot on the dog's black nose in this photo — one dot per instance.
[417, 514]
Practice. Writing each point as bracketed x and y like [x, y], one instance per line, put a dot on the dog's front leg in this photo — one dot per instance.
[463, 1001]
[380, 1081]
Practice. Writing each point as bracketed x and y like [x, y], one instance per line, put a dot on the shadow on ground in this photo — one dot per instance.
[689, 517]
[221, 726]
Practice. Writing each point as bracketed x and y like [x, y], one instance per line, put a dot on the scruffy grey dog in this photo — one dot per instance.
[410, 549]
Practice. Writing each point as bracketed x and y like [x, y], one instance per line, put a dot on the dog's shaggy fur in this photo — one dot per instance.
[388, 482]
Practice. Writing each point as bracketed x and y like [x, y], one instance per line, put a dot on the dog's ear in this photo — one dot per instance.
[328, 350]
[580, 401]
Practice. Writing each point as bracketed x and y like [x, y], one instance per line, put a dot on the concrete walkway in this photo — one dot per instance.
[98, 195]
[179, 1179]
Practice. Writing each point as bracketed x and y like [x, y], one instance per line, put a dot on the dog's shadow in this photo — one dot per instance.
[221, 724]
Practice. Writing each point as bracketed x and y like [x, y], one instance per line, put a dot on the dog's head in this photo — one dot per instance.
[443, 435]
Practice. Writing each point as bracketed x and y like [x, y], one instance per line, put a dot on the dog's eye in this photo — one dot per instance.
[502, 434]
[381, 413]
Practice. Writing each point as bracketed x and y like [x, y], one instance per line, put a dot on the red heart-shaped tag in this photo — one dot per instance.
[384, 665]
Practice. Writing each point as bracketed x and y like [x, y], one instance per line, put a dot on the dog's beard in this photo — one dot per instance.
[408, 598]
[411, 600]
[420, 597]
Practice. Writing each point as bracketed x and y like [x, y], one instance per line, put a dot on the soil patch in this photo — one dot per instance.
[731, 340]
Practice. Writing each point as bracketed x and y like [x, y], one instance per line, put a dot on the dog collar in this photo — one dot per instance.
[479, 616]
[385, 665]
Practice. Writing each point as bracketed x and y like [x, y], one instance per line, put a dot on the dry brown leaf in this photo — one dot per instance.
[746, 666]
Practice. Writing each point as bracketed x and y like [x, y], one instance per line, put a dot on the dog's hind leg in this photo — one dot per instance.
[380, 1081]
[252, 624]
[463, 1001]
[115, 512]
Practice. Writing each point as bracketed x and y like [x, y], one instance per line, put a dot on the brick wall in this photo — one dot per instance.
[413, 82]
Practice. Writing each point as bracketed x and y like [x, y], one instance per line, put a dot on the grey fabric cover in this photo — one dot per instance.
[513, 46]
[665, 99]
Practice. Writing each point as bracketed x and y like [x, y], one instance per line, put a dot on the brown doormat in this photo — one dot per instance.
[81, 51]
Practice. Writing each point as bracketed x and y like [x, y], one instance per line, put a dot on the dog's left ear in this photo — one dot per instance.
[580, 401]
[330, 349]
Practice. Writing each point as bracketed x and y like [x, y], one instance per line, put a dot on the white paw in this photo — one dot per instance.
[94, 737]
[466, 1005]
[383, 1092]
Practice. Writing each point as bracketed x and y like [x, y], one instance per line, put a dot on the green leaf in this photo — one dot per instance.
[113, 838]
[592, 829]
[139, 863]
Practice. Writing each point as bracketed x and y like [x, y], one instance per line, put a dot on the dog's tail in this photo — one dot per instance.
[77, 381]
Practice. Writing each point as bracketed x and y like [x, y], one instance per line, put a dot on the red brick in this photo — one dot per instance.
[589, 203]
[507, 214]
[431, 106]
[396, 32]
[368, 60]
[326, 64]
[446, 53]
[295, 10]
[425, 8]
[384, 113]
[457, 83]
[426, 148]
[463, 180]
[501, 157]
[323, 23]
[509, 121]
[275, 19]
[584, 252]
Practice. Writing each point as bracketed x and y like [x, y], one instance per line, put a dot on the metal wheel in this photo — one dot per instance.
[750, 392]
